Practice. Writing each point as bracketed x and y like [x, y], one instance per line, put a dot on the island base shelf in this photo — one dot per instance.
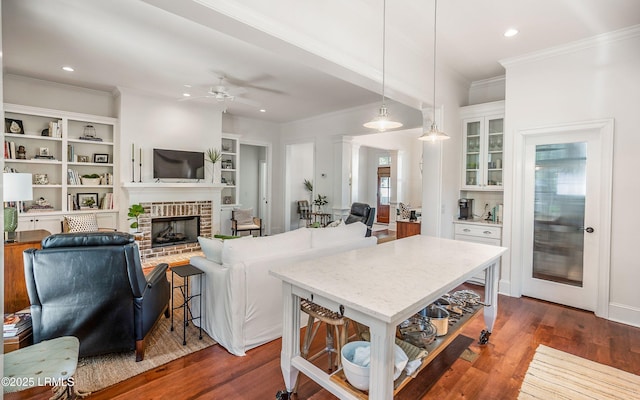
[433, 349]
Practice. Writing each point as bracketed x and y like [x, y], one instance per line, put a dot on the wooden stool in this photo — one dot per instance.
[337, 327]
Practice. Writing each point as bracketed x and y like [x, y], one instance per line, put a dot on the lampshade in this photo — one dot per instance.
[434, 134]
[17, 187]
[382, 121]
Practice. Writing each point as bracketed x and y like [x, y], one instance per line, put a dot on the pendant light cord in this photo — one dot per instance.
[384, 19]
[435, 19]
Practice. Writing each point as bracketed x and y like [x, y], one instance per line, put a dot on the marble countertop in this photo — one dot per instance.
[390, 279]
[477, 222]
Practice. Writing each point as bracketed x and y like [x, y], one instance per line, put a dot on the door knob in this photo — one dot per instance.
[589, 229]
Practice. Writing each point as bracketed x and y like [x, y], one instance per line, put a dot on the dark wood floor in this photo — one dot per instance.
[496, 373]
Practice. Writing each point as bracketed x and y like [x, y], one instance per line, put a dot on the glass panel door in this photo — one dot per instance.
[494, 152]
[559, 210]
[472, 175]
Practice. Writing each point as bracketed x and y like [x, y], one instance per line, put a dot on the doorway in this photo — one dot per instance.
[254, 180]
[384, 194]
[566, 216]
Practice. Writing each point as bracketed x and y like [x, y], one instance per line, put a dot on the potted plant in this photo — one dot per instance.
[134, 213]
[320, 202]
[213, 156]
[91, 179]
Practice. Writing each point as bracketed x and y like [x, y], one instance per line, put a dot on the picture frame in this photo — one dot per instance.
[101, 158]
[43, 151]
[13, 126]
[87, 200]
[40, 179]
[83, 159]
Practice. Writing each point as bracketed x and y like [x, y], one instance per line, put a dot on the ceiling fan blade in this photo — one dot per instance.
[194, 97]
[246, 101]
[236, 91]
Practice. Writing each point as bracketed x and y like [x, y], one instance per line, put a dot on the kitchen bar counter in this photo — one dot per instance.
[379, 287]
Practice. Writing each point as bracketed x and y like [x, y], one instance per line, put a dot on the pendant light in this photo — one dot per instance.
[382, 121]
[434, 134]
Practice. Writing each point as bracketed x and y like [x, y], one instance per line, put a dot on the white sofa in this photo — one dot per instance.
[242, 302]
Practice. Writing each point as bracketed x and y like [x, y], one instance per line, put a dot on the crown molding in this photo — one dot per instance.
[489, 81]
[599, 40]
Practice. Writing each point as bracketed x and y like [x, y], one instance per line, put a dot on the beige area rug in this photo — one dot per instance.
[554, 374]
[162, 346]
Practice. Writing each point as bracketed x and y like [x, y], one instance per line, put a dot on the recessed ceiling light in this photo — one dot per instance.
[68, 69]
[187, 86]
[263, 110]
[510, 32]
[186, 94]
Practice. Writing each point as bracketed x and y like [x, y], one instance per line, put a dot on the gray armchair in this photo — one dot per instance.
[91, 286]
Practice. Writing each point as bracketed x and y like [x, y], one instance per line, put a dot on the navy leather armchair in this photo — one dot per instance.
[363, 213]
[91, 286]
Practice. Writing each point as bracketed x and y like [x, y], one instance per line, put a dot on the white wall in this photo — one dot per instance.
[250, 157]
[442, 160]
[38, 93]
[299, 166]
[595, 80]
[152, 122]
[262, 133]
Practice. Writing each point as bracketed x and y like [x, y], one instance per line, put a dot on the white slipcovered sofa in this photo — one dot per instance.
[242, 302]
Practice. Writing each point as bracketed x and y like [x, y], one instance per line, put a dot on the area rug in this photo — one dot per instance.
[162, 346]
[554, 374]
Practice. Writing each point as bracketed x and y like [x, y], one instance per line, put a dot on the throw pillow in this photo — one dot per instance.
[335, 224]
[81, 223]
[405, 211]
[244, 217]
[212, 248]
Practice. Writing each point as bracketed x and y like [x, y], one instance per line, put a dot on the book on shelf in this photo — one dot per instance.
[55, 129]
[106, 202]
[73, 177]
[9, 150]
[92, 138]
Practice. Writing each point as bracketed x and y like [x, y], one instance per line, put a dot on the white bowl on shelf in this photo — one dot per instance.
[358, 375]
[90, 181]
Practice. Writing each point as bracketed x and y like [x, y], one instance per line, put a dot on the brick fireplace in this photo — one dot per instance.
[168, 209]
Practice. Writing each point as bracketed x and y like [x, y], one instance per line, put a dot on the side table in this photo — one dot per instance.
[23, 339]
[406, 228]
[15, 287]
[186, 271]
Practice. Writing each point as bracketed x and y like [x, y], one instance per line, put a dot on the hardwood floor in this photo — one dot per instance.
[496, 373]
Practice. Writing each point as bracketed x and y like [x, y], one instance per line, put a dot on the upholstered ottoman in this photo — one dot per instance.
[48, 363]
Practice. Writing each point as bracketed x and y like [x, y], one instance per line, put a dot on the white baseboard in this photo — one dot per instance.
[504, 287]
[624, 314]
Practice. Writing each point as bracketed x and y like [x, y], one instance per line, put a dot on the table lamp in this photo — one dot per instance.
[16, 187]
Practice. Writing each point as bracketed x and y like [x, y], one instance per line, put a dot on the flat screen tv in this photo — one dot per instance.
[177, 164]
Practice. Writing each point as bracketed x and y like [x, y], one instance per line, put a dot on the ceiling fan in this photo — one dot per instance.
[223, 93]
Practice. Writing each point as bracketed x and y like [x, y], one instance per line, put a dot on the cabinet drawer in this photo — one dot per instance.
[493, 232]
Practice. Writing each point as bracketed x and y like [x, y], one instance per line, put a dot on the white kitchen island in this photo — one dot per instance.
[379, 287]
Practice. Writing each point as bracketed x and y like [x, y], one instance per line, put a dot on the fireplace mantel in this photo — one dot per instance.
[171, 191]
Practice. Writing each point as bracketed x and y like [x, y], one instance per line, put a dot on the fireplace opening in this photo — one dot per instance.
[172, 231]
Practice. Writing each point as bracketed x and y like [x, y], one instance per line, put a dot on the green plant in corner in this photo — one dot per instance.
[213, 155]
[134, 213]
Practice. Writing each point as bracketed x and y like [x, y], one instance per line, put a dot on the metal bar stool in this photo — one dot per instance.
[337, 328]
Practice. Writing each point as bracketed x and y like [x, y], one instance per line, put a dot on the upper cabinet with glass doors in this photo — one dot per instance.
[483, 146]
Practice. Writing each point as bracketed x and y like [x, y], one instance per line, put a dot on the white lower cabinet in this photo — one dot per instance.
[51, 223]
[478, 232]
